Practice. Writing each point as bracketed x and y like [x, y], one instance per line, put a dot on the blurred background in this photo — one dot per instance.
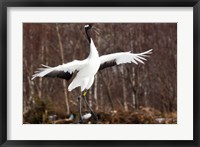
[128, 93]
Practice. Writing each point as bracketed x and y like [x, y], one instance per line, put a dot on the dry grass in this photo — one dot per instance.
[144, 115]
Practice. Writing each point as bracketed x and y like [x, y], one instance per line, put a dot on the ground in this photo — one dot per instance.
[141, 116]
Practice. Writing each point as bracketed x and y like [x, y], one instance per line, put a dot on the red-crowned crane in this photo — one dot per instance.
[86, 69]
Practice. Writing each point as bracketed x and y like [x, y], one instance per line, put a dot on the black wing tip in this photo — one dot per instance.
[107, 64]
[59, 74]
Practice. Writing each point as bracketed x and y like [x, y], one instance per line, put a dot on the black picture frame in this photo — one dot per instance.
[4, 4]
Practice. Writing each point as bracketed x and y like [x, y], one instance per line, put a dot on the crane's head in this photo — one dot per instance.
[88, 29]
[88, 26]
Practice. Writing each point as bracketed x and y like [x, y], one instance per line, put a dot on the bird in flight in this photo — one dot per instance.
[86, 69]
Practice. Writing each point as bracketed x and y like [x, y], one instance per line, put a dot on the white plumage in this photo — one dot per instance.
[86, 69]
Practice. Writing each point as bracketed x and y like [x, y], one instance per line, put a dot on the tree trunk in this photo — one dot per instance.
[40, 80]
[134, 88]
[62, 57]
[124, 88]
[90, 98]
[95, 92]
[108, 92]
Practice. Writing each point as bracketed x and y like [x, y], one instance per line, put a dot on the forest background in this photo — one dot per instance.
[129, 93]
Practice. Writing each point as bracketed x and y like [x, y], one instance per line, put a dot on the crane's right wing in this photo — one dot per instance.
[122, 57]
[64, 71]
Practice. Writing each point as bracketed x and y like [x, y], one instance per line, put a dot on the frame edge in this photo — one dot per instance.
[196, 69]
[3, 77]
[3, 74]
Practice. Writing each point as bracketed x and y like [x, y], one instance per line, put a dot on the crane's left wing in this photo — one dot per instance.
[64, 71]
[122, 57]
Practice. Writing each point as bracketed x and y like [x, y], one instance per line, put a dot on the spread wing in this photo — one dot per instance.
[121, 58]
[64, 71]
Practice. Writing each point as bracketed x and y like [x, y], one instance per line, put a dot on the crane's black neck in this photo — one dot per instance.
[88, 33]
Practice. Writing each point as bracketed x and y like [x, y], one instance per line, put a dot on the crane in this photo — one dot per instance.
[86, 69]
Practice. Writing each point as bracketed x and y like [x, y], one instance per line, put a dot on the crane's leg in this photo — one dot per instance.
[84, 97]
[80, 113]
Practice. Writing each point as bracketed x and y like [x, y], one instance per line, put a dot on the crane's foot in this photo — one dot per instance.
[93, 114]
[80, 121]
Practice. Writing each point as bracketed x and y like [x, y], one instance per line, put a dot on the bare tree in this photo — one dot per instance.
[62, 57]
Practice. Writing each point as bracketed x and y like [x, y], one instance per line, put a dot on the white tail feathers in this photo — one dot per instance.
[142, 56]
[145, 54]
